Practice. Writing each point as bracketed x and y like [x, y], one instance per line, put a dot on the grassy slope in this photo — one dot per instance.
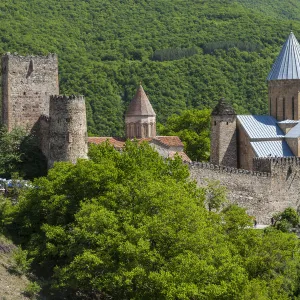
[11, 285]
[105, 49]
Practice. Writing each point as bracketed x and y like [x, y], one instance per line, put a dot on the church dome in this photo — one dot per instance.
[287, 64]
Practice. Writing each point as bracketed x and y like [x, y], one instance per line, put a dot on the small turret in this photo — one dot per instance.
[223, 135]
[67, 129]
[140, 118]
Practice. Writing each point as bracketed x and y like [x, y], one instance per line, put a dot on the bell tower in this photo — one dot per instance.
[284, 82]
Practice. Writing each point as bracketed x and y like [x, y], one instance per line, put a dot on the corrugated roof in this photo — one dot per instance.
[140, 105]
[294, 132]
[288, 121]
[271, 148]
[260, 127]
[287, 64]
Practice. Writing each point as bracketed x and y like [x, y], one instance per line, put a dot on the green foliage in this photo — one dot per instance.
[193, 128]
[286, 220]
[215, 196]
[32, 290]
[173, 54]
[6, 212]
[20, 154]
[131, 225]
[10, 150]
[21, 261]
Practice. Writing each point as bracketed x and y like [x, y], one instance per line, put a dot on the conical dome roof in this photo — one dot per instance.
[140, 105]
[223, 108]
[287, 64]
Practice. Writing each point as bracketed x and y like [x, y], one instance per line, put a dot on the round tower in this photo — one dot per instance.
[284, 82]
[223, 142]
[140, 118]
[68, 129]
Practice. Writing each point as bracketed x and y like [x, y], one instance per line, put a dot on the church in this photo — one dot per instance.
[238, 140]
[140, 124]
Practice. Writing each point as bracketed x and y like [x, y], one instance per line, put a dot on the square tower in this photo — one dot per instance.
[27, 83]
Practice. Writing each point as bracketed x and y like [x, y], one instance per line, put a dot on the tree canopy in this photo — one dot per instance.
[131, 225]
[193, 128]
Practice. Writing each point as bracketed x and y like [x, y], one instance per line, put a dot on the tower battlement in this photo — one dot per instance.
[64, 98]
[226, 169]
[68, 129]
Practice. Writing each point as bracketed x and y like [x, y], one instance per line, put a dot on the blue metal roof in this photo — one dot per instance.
[271, 149]
[294, 132]
[287, 64]
[260, 127]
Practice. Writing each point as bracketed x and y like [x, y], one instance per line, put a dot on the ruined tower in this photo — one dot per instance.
[140, 118]
[27, 83]
[67, 129]
[284, 82]
[223, 135]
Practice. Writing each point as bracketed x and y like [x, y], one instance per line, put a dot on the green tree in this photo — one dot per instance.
[131, 225]
[193, 128]
[20, 154]
[286, 220]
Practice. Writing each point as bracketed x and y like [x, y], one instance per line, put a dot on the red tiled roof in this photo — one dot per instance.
[167, 141]
[171, 141]
[182, 155]
[114, 141]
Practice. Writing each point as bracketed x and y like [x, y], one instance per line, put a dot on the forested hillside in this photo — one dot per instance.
[186, 53]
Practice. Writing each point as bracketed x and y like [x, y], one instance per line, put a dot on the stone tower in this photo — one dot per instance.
[223, 135]
[27, 83]
[67, 129]
[140, 118]
[284, 82]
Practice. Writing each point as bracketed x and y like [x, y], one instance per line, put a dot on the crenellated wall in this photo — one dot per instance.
[261, 193]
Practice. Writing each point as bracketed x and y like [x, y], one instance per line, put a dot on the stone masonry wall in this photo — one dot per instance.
[261, 194]
[284, 91]
[27, 84]
[223, 140]
[68, 129]
[245, 152]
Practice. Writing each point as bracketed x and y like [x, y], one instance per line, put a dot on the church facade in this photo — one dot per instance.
[237, 140]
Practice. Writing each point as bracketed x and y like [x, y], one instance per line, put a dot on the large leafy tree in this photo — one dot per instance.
[131, 225]
[20, 153]
[193, 128]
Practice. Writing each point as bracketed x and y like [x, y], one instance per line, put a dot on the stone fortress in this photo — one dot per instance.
[30, 99]
[256, 157]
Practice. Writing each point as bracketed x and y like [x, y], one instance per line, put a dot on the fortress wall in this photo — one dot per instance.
[28, 82]
[261, 194]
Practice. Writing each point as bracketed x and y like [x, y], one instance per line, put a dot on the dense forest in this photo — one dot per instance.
[186, 53]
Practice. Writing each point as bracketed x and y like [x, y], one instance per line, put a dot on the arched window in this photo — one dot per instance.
[293, 108]
[283, 109]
